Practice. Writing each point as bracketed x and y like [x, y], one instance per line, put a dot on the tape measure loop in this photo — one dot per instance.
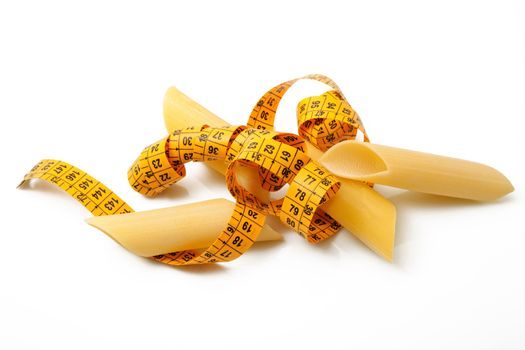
[279, 158]
[153, 171]
[263, 113]
[279, 162]
[300, 210]
[327, 119]
[273, 182]
[161, 164]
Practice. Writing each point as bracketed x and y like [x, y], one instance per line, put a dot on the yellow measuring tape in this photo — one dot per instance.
[279, 159]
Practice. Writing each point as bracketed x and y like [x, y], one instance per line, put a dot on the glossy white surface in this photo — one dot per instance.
[85, 83]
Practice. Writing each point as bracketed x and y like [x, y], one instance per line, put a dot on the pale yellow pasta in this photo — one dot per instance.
[172, 229]
[417, 171]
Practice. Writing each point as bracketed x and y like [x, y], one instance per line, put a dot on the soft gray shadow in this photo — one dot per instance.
[263, 247]
[194, 269]
[216, 267]
[327, 246]
[409, 201]
[202, 269]
[347, 243]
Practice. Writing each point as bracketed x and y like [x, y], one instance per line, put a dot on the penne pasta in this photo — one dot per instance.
[360, 209]
[160, 231]
[416, 171]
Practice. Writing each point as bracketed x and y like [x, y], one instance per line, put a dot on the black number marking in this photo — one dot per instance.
[237, 241]
[285, 155]
[269, 149]
[310, 179]
[247, 227]
[299, 164]
[226, 253]
[294, 209]
[165, 177]
[218, 135]
[156, 163]
[300, 194]
[252, 213]
[186, 140]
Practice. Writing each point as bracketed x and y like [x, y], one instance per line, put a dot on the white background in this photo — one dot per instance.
[85, 82]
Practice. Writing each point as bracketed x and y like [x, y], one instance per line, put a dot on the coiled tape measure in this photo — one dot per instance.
[279, 159]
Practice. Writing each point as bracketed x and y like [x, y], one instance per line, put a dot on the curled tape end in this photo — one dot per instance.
[21, 184]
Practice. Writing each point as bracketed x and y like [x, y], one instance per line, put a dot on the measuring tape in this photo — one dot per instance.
[91, 193]
[279, 159]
